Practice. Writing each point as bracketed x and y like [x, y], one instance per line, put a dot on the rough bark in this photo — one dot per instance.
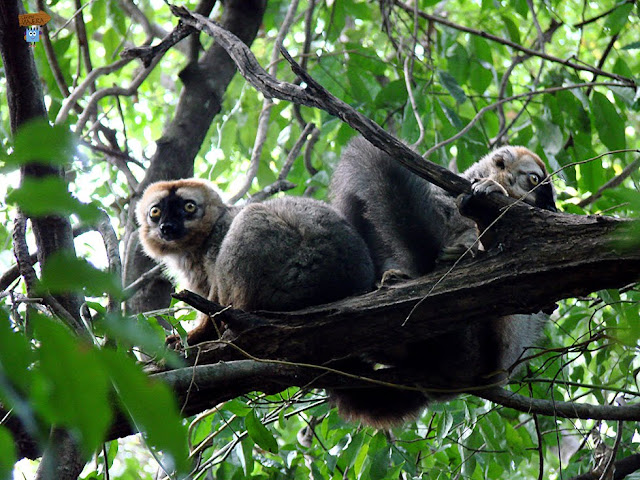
[553, 256]
[200, 101]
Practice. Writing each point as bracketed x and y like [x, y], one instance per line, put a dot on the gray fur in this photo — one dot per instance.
[284, 254]
[408, 224]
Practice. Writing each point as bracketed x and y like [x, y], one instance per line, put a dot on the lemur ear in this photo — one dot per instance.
[499, 161]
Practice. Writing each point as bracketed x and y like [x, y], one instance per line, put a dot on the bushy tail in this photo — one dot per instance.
[380, 407]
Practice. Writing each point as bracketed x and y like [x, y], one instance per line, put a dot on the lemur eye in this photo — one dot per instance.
[190, 207]
[154, 212]
[534, 179]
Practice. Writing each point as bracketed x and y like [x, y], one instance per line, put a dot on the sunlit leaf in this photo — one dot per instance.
[608, 122]
[64, 272]
[37, 141]
[49, 195]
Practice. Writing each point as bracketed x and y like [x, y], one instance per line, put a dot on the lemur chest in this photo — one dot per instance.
[192, 272]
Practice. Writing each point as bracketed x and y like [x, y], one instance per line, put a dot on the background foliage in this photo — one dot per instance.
[422, 80]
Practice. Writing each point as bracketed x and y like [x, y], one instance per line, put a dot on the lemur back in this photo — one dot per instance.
[284, 254]
[409, 224]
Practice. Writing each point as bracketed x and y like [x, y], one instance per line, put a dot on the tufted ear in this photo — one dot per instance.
[499, 161]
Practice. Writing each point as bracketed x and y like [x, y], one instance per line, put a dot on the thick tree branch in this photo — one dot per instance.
[517, 277]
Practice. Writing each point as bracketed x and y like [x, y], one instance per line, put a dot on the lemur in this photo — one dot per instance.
[409, 224]
[284, 254]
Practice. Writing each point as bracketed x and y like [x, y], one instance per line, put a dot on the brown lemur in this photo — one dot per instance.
[284, 254]
[409, 224]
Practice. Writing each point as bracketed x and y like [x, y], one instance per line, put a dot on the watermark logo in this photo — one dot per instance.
[33, 22]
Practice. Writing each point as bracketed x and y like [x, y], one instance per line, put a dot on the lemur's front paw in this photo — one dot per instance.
[485, 186]
[393, 277]
[174, 342]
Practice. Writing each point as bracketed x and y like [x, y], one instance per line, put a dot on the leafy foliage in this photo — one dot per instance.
[424, 81]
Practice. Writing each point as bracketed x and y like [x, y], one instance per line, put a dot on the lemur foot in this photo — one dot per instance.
[393, 277]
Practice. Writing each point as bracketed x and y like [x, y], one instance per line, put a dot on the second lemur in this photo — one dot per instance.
[409, 224]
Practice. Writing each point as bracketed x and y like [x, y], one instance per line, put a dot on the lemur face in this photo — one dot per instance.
[176, 216]
[523, 175]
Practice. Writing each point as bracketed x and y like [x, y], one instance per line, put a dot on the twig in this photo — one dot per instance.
[147, 54]
[72, 18]
[72, 99]
[141, 280]
[614, 182]
[51, 56]
[21, 253]
[493, 106]
[295, 150]
[408, 78]
[315, 135]
[267, 104]
[83, 41]
[270, 190]
[612, 454]
[515, 46]
[126, 92]
[603, 58]
[314, 95]
[111, 245]
[583, 411]
[602, 15]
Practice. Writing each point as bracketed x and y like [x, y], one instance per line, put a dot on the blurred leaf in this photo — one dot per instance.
[514, 33]
[37, 141]
[64, 272]
[146, 401]
[458, 63]
[7, 453]
[618, 18]
[608, 122]
[631, 46]
[76, 392]
[550, 136]
[259, 433]
[449, 82]
[392, 95]
[49, 195]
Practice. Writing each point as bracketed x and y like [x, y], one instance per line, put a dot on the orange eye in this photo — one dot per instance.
[154, 212]
[190, 207]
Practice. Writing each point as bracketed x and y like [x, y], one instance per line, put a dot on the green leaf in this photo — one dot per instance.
[49, 195]
[631, 46]
[512, 29]
[76, 389]
[450, 83]
[64, 272]
[151, 407]
[480, 69]
[37, 141]
[617, 19]
[259, 433]
[550, 136]
[458, 63]
[391, 95]
[7, 453]
[608, 122]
